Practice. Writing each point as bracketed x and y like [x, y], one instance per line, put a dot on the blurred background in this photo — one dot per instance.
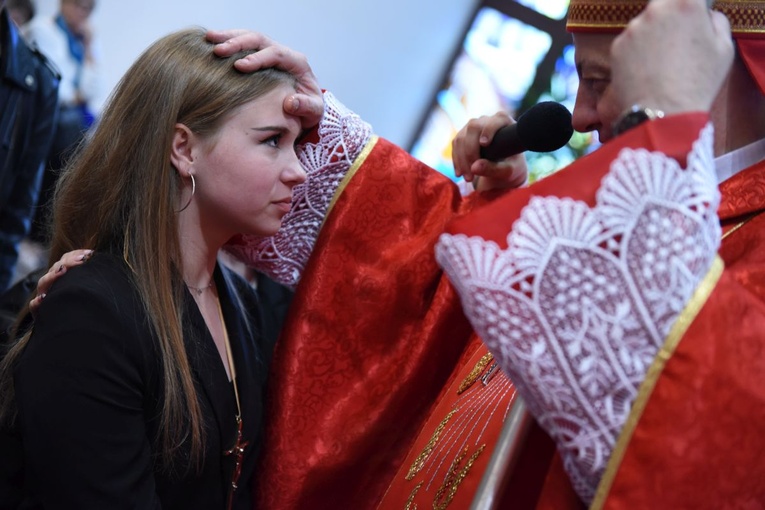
[415, 70]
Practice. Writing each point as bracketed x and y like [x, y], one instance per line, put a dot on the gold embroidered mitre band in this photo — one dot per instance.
[746, 17]
[747, 20]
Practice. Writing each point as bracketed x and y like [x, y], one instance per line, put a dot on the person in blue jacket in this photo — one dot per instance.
[28, 109]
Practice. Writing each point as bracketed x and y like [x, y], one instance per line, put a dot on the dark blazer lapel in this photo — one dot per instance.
[209, 371]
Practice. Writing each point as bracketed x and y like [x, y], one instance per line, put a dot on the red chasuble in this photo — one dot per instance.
[373, 336]
[694, 437]
[384, 394]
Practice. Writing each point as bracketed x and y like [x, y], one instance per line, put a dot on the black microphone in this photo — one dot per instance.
[544, 127]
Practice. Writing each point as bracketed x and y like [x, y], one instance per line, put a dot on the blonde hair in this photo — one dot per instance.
[120, 192]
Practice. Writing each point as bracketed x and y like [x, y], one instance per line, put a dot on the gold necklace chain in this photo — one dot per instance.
[200, 290]
[237, 451]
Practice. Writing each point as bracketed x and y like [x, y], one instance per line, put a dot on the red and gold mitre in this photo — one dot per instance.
[747, 20]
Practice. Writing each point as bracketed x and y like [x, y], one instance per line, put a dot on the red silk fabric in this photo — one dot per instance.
[699, 441]
[376, 342]
[372, 337]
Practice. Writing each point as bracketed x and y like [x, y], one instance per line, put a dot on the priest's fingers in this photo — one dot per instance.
[309, 107]
[477, 133]
[308, 101]
[228, 42]
[509, 173]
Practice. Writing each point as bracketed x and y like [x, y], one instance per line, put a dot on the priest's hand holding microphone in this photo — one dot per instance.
[491, 147]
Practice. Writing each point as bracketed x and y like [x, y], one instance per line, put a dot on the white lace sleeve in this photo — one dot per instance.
[342, 136]
[577, 306]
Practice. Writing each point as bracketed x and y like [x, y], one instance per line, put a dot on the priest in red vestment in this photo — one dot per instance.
[640, 349]
[381, 389]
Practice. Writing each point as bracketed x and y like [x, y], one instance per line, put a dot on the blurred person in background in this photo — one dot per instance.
[28, 98]
[21, 11]
[67, 40]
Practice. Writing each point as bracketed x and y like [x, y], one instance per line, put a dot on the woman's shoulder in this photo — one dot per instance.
[101, 289]
[92, 316]
[103, 272]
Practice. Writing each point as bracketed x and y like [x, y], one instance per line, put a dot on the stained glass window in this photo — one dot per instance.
[513, 55]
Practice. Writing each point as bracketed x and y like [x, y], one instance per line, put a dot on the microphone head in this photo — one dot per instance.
[545, 127]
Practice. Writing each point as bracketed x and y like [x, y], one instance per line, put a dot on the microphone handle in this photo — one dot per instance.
[505, 143]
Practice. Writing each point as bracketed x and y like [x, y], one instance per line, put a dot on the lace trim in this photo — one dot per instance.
[342, 137]
[577, 306]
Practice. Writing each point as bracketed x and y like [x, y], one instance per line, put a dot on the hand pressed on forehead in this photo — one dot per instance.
[308, 102]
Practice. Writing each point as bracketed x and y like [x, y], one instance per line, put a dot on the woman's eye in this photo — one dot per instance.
[273, 141]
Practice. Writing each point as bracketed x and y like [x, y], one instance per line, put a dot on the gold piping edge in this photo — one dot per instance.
[741, 224]
[692, 309]
[360, 159]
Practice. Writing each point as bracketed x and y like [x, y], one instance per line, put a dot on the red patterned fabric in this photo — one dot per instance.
[372, 338]
[699, 442]
[376, 342]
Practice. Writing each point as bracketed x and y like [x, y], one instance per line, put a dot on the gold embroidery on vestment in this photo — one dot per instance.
[409, 505]
[419, 462]
[472, 377]
[446, 492]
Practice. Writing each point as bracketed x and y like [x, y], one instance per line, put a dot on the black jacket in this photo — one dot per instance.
[89, 395]
[28, 105]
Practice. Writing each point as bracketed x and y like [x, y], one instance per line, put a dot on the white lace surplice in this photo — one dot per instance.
[577, 306]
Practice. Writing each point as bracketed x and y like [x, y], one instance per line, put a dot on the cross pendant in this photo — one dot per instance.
[238, 452]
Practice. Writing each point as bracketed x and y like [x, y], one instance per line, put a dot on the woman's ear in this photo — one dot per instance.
[181, 154]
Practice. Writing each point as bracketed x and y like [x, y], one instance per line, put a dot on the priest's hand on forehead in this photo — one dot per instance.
[308, 102]
[673, 57]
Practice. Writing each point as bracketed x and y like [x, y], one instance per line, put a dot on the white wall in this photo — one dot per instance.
[382, 59]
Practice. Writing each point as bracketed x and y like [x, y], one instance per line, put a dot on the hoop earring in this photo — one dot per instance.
[193, 190]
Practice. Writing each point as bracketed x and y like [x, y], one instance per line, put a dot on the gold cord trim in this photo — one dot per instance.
[474, 374]
[360, 159]
[676, 334]
[410, 504]
[419, 462]
[741, 224]
[447, 491]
